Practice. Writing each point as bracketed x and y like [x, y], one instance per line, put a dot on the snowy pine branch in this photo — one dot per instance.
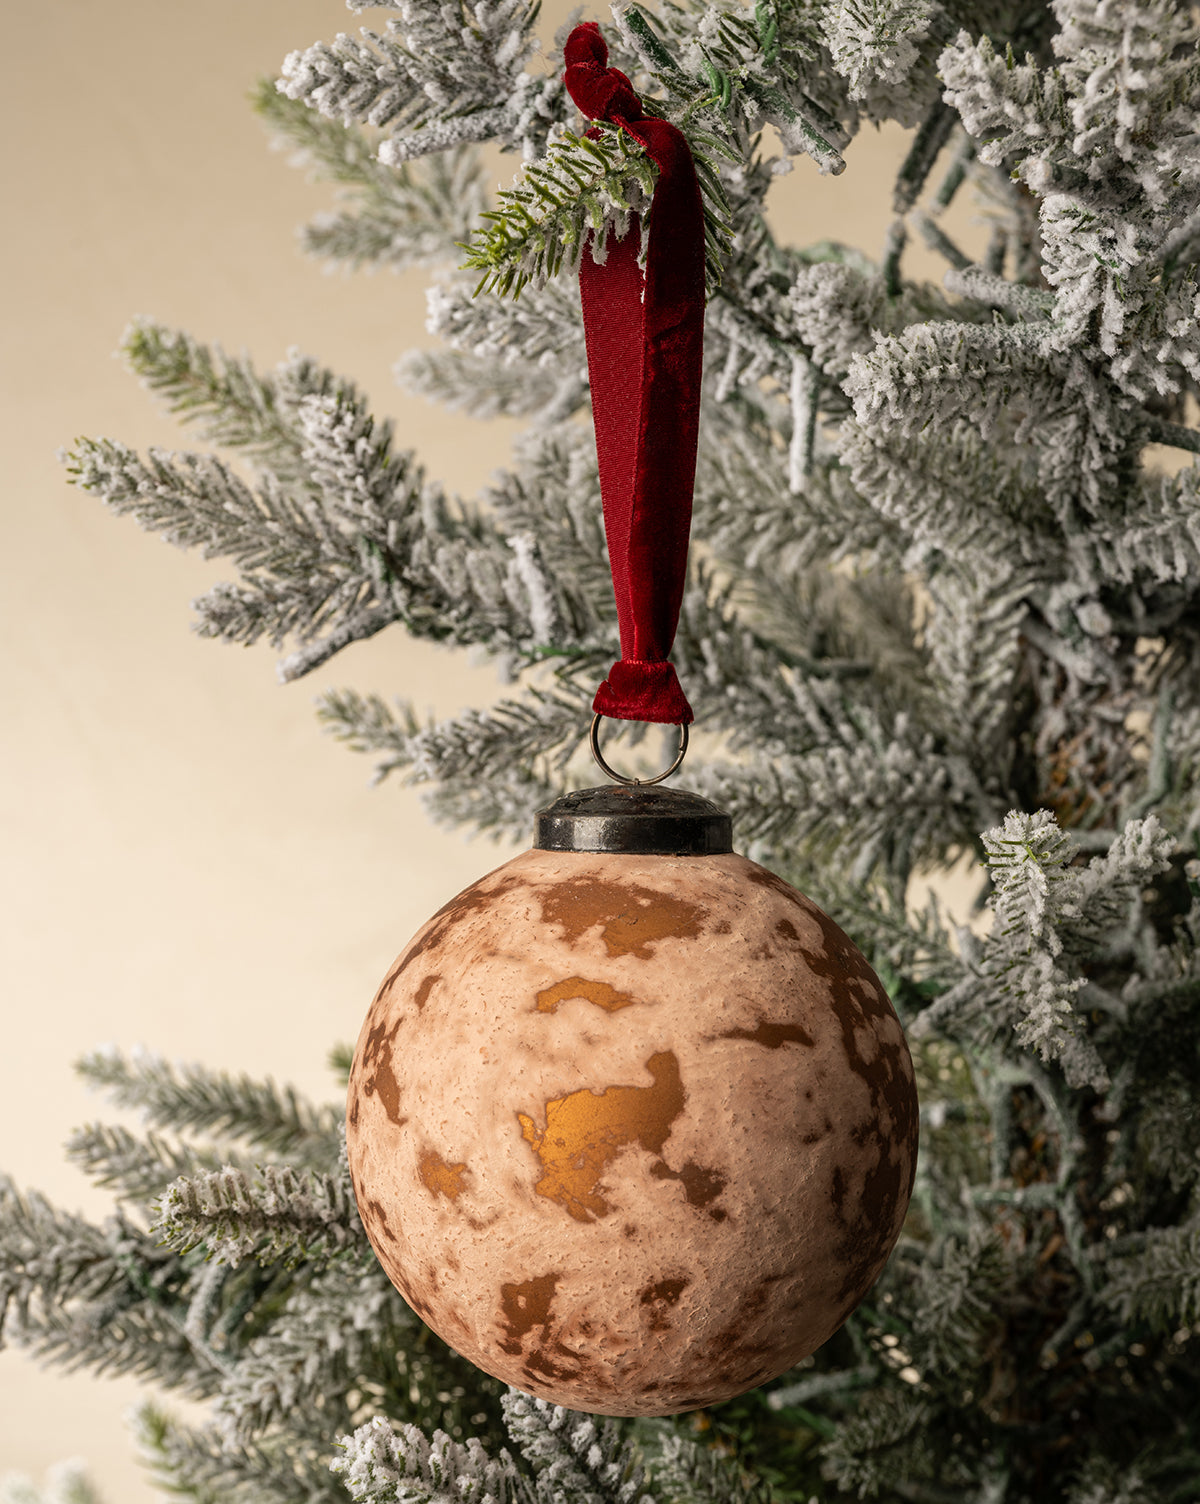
[874, 45]
[1048, 913]
[581, 1456]
[517, 356]
[365, 541]
[383, 1464]
[1160, 1282]
[65, 1483]
[137, 1167]
[439, 76]
[935, 375]
[543, 329]
[962, 1286]
[319, 576]
[105, 1298]
[230, 1108]
[204, 1465]
[425, 216]
[230, 402]
[343, 1327]
[686, 1472]
[1041, 897]
[976, 651]
[1010, 107]
[45, 1250]
[279, 1214]
[572, 200]
[480, 388]
[395, 217]
[890, 1435]
[1124, 74]
[482, 741]
[738, 70]
[861, 773]
[1153, 541]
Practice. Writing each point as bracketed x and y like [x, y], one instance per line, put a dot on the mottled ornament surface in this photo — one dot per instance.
[632, 1133]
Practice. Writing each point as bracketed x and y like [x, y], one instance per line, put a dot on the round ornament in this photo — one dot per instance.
[631, 1122]
[632, 1129]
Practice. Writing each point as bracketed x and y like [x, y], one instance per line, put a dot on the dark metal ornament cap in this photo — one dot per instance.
[637, 819]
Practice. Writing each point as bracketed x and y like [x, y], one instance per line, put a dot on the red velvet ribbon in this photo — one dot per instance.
[644, 335]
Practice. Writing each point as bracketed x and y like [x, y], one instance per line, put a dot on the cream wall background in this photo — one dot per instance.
[188, 862]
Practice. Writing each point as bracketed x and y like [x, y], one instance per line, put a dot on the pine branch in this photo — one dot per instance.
[65, 1483]
[746, 508]
[1047, 914]
[685, 1472]
[489, 770]
[397, 216]
[232, 1108]
[279, 1214]
[201, 1465]
[303, 573]
[1160, 1284]
[983, 286]
[231, 403]
[962, 1289]
[876, 42]
[425, 216]
[553, 494]
[514, 356]
[481, 743]
[105, 1299]
[327, 147]
[382, 1463]
[936, 129]
[138, 1168]
[433, 80]
[955, 176]
[346, 1330]
[838, 310]
[872, 790]
[953, 497]
[741, 67]
[580, 1455]
[367, 543]
[974, 641]
[46, 1251]
[543, 328]
[1106, 224]
[1097, 1485]
[1154, 540]
[890, 1436]
[1010, 107]
[478, 387]
[582, 192]
[819, 1386]
[1158, 431]
[941, 244]
[503, 808]
[936, 375]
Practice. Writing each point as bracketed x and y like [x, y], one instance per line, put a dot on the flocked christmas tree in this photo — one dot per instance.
[945, 601]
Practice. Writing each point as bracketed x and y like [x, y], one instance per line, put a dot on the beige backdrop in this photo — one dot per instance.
[189, 863]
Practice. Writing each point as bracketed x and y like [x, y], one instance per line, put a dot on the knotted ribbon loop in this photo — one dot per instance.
[644, 334]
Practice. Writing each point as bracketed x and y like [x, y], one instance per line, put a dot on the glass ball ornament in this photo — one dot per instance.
[632, 1124]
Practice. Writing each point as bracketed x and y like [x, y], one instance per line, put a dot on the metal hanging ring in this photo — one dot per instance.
[594, 743]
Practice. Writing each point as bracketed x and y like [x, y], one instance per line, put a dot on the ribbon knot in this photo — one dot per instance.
[645, 334]
[600, 92]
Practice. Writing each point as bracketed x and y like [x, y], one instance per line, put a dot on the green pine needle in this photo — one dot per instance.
[585, 188]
